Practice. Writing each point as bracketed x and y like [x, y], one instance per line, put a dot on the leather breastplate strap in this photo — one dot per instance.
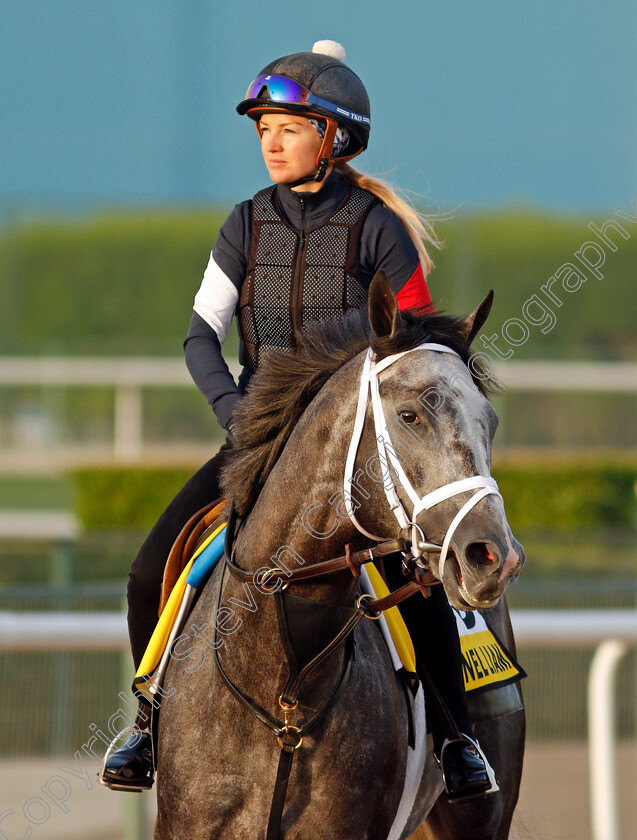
[290, 737]
[304, 655]
[295, 277]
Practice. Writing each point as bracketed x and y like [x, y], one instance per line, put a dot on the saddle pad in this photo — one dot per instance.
[391, 622]
[193, 576]
[416, 759]
[194, 532]
[401, 651]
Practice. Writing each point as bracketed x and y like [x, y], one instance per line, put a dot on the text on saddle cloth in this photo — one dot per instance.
[486, 663]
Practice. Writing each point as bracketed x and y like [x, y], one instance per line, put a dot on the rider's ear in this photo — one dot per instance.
[471, 324]
[384, 316]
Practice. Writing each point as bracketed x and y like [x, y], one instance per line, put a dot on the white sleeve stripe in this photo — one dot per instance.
[216, 299]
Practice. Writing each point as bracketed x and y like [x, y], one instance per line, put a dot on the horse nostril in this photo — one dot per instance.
[480, 554]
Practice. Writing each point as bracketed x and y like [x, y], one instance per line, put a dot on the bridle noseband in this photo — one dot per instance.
[484, 485]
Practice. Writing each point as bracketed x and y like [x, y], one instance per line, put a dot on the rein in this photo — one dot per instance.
[348, 561]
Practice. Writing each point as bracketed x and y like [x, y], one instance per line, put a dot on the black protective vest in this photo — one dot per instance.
[296, 277]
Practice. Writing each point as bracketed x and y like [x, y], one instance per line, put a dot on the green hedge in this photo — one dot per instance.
[568, 497]
[543, 497]
[114, 284]
[125, 498]
[123, 283]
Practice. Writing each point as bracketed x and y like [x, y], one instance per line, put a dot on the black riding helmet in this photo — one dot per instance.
[314, 84]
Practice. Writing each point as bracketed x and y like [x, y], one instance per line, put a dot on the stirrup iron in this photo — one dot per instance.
[493, 784]
[111, 784]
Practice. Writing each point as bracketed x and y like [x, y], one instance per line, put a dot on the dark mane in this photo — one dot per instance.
[286, 384]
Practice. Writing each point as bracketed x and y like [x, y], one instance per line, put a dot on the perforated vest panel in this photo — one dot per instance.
[297, 277]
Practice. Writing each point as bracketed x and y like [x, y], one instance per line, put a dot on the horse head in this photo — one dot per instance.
[425, 434]
[419, 456]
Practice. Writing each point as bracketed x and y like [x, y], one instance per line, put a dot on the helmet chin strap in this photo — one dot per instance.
[316, 176]
[323, 159]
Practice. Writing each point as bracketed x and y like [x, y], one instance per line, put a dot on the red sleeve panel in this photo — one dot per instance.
[386, 246]
[415, 293]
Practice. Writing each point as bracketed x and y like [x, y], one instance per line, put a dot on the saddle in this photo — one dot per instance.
[201, 539]
[192, 535]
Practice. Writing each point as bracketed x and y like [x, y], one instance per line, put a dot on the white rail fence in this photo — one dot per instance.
[130, 376]
[611, 632]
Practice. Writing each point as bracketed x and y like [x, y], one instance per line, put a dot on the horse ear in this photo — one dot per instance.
[384, 316]
[471, 324]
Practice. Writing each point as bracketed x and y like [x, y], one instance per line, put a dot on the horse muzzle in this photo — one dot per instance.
[480, 570]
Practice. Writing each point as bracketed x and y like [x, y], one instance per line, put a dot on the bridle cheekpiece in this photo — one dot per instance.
[483, 485]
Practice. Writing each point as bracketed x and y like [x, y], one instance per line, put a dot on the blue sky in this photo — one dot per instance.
[474, 104]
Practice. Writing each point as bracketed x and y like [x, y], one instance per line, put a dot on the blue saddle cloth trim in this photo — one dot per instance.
[207, 560]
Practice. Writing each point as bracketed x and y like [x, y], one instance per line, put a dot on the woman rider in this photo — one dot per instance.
[305, 249]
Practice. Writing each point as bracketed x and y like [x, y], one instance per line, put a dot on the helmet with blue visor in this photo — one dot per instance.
[320, 86]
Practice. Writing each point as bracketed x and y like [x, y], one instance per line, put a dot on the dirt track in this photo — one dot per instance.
[554, 798]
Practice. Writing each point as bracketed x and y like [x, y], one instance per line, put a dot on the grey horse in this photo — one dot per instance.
[216, 763]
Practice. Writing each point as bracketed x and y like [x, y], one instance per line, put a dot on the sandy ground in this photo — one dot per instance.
[554, 802]
[554, 799]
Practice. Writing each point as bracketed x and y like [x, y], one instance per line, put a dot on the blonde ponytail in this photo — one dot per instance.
[418, 226]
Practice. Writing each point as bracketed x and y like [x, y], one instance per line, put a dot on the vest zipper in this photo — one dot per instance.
[297, 279]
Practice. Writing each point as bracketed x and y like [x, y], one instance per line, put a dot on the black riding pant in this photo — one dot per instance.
[430, 622]
[433, 629]
[147, 572]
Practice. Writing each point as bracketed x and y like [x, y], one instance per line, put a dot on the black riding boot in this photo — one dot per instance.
[433, 630]
[131, 766]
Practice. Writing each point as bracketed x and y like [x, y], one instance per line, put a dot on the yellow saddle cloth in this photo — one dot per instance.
[391, 618]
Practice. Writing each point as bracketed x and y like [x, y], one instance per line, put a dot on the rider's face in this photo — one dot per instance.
[290, 145]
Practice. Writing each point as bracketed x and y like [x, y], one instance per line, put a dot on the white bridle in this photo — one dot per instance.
[484, 485]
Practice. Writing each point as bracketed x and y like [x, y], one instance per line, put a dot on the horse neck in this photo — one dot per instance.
[295, 517]
[308, 472]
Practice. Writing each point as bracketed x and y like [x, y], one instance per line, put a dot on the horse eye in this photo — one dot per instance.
[409, 417]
